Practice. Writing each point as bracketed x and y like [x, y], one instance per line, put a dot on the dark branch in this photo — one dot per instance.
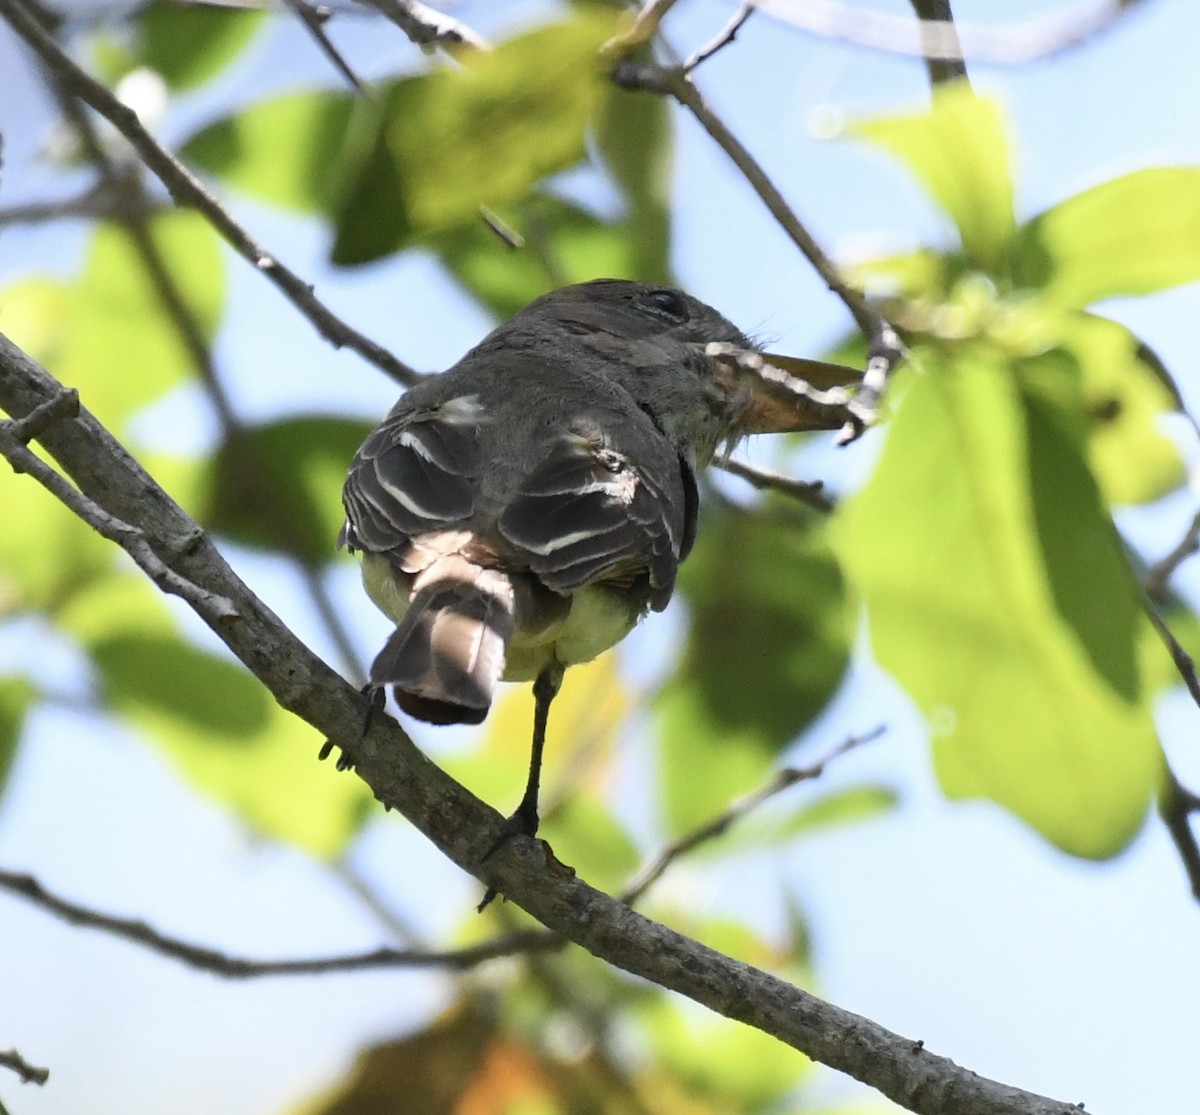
[806, 491]
[937, 14]
[653, 869]
[1176, 804]
[236, 967]
[314, 19]
[724, 38]
[1159, 575]
[187, 190]
[464, 828]
[29, 1074]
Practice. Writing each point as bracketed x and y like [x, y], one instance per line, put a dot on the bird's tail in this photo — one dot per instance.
[448, 651]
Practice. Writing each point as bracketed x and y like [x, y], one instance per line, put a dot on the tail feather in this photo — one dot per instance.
[448, 651]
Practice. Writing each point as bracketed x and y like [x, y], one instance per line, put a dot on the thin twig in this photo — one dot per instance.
[29, 1074]
[884, 347]
[937, 13]
[810, 492]
[1184, 663]
[187, 190]
[236, 967]
[641, 31]
[652, 870]
[14, 437]
[726, 36]
[1159, 575]
[427, 27]
[1029, 41]
[314, 19]
[1176, 804]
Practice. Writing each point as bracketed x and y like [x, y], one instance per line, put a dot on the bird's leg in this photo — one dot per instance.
[524, 819]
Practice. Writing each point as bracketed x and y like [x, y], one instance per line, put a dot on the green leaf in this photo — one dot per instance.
[633, 136]
[215, 721]
[960, 152]
[449, 142]
[276, 486]
[767, 648]
[1124, 398]
[563, 244]
[121, 348]
[286, 151]
[190, 43]
[1131, 235]
[998, 594]
[16, 695]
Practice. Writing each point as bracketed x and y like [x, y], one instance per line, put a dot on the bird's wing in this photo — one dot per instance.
[418, 473]
[590, 513]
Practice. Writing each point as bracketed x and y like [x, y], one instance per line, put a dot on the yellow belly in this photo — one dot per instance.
[599, 617]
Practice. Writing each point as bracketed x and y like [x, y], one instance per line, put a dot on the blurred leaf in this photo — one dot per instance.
[1133, 458]
[121, 349]
[634, 138]
[449, 142]
[768, 645]
[185, 43]
[189, 43]
[563, 244]
[960, 152]
[16, 695]
[52, 555]
[276, 486]
[424, 1074]
[585, 719]
[1130, 235]
[732, 1066]
[287, 150]
[216, 722]
[998, 595]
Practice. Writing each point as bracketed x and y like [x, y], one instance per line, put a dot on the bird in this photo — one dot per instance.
[520, 512]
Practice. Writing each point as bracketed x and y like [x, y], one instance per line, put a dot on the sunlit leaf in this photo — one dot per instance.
[121, 348]
[449, 142]
[960, 152]
[768, 645]
[1130, 235]
[1133, 458]
[998, 594]
[286, 150]
[277, 485]
[190, 43]
[219, 726]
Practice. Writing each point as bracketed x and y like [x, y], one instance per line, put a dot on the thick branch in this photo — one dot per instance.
[464, 828]
[236, 967]
[187, 190]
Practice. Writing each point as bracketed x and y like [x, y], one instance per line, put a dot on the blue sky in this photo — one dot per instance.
[945, 922]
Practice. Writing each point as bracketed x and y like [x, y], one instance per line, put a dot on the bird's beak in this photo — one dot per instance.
[785, 394]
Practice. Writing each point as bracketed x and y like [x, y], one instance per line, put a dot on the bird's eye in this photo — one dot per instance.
[665, 303]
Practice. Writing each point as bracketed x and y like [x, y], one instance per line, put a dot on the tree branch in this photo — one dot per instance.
[463, 827]
[653, 869]
[1176, 804]
[314, 19]
[236, 967]
[187, 190]
[428, 28]
[810, 492]
[1017, 44]
[937, 13]
[1159, 575]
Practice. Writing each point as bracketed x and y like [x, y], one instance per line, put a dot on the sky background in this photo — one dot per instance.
[950, 923]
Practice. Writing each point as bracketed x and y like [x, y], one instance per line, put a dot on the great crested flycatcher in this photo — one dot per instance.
[520, 512]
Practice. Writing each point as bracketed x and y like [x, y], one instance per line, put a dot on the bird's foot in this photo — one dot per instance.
[524, 822]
